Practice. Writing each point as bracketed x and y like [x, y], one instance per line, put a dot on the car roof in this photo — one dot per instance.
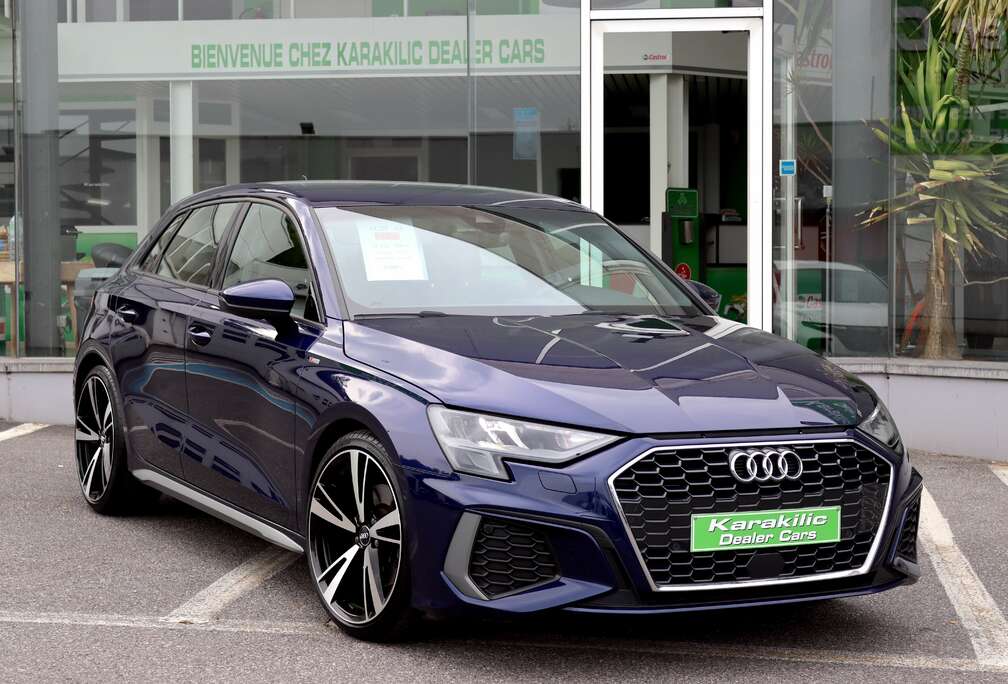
[345, 193]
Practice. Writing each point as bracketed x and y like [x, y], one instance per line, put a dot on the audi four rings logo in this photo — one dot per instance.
[765, 465]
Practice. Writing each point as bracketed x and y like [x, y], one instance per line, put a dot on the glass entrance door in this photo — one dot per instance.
[676, 148]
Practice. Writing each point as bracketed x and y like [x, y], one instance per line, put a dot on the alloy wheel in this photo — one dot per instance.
[94, 438]
[354, 536]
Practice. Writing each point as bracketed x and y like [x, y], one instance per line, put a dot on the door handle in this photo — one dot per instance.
[199, 335]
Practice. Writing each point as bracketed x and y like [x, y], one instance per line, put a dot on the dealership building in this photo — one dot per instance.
[744, 142]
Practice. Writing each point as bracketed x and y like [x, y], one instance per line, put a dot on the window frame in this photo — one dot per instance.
[226, 247]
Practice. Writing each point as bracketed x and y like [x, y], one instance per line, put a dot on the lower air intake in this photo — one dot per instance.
[507, 557]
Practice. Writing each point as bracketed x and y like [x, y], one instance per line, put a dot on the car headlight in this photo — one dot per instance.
[477, 444]
[881, 426]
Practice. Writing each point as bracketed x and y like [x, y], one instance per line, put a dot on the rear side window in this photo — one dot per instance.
[150, 261]
[190, 255]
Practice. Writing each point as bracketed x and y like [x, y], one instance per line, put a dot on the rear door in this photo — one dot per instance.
[242, 372]
[148, 332]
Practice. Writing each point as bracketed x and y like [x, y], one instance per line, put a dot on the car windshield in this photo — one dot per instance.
[457, 260]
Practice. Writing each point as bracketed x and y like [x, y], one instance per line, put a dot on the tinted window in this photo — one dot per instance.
[493, 261]
[190, 255]
[268, 246]
[150, 261]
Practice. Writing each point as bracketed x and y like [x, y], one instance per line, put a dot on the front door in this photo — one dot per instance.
[677, 144]
[242, 373]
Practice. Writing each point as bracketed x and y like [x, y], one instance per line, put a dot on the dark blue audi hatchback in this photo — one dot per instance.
[471, 400]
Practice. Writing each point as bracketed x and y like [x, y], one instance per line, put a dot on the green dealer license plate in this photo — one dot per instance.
[764, 529]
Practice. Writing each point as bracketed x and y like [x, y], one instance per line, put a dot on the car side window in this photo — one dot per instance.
[190, 256]
[150, 262]
[268, 246]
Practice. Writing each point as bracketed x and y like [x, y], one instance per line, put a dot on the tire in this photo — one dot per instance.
[356, 541]
[100, 448]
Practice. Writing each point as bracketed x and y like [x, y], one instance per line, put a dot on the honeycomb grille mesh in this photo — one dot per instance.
[907, 547]
[507, 557]
[660, 492]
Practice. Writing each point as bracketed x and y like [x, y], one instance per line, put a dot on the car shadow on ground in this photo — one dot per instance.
[788, 623]
[851, 624]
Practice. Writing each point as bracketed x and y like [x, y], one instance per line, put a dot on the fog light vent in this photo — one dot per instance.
[507, 557]
[907, 547]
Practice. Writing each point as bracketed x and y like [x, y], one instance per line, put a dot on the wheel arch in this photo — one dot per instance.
[333, 425]
[89, 357]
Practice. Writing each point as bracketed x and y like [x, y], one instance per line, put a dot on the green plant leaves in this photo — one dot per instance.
[958, 185]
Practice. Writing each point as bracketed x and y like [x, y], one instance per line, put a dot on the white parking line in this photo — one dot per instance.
[772, 653]
[1002, 472]
[21, 430]
[705, 650]
[977, 610]
[150, 622]
[209, 602]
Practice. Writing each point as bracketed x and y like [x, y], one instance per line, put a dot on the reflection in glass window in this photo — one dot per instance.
[190, 255]
[527, 117]
[152, 10]
[150, 262]
[664, 4]
[268, 246]
[100, 10]
[831, 85]
[228, 9]
[98, 167]
[513, 261]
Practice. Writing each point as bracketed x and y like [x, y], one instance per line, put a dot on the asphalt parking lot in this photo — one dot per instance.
[176, 594]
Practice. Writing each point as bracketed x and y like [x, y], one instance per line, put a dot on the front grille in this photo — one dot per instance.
[661, 490]
[907, 546]
[507, 557]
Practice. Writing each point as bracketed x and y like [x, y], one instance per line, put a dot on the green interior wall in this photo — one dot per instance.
[732, 283]
[85, 241]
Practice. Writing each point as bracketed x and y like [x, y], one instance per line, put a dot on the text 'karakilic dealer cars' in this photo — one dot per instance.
[460, 399]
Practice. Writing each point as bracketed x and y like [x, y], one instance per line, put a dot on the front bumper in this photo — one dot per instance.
[576, 551]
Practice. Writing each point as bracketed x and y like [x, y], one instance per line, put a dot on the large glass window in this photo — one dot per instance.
[367, 90]
[669, 4]
[831, 271]
[890, 236]
[949, 185]
[152, 10]
[526, 123]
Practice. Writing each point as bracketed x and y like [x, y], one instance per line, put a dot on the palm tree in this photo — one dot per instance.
[957, 183]
[976, 24]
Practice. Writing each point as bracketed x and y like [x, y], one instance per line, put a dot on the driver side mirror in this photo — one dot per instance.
[707, 293]
[269, 298]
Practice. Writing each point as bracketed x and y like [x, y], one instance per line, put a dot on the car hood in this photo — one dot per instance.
[633, 374]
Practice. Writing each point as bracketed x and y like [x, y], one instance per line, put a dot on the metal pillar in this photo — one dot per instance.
[39, 186]
[183, 138]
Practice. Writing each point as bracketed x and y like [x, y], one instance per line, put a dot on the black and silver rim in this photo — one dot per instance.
[95, 438]
[354, 536]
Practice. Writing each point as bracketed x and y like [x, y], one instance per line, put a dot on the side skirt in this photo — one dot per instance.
[218, 509]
